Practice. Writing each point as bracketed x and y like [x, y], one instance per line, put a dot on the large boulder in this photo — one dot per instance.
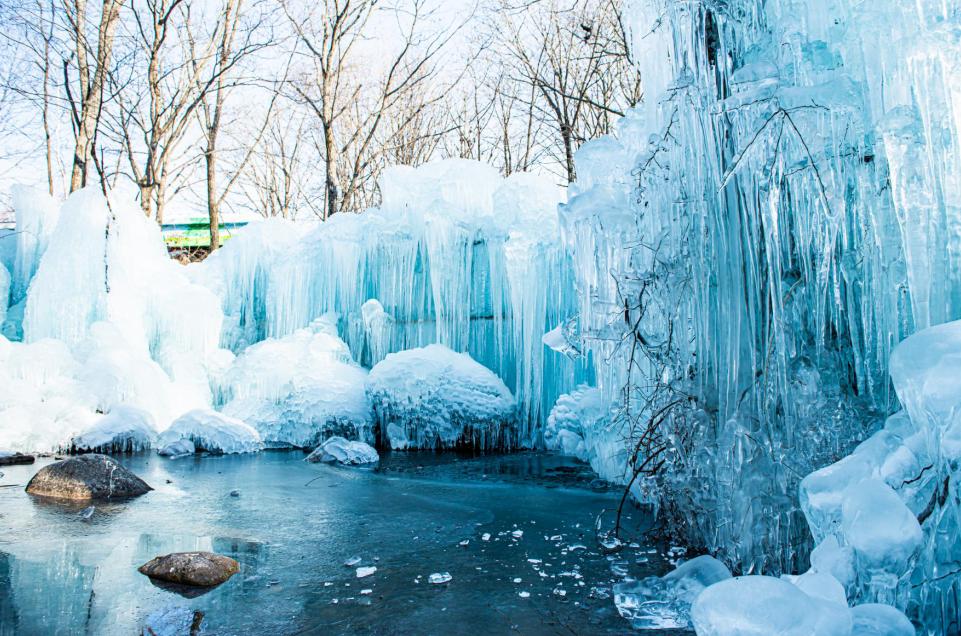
[191, 568]
[87, 477]
[8, 458]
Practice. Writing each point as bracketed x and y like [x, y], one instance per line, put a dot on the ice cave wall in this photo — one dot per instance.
[780, 212]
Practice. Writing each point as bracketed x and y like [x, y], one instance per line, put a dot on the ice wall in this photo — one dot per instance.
[36, 215]
[455, 255]
[777, 215]
[109, 324]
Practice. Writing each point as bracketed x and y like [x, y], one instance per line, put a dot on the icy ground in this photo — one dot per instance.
[294, 525]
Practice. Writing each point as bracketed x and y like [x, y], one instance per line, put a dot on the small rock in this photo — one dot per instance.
[10, 459]
[234, 493]
[86, 477]
[191, 568]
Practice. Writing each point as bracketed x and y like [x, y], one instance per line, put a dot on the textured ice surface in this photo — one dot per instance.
[211, 432]
[338, 449]
[4, 292]
[665, 602]
[441, 399]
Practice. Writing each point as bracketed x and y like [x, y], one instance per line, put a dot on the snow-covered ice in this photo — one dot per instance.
[340, 450]
[440, 399]
[211, 432]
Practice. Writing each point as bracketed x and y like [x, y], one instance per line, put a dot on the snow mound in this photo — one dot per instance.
[211, 432]
[440, 399]
[124, 429]
[300, 389]
[338, 449]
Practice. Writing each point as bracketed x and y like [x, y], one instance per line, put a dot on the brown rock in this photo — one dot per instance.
[10, 459]
[191, 568]
[86, 477]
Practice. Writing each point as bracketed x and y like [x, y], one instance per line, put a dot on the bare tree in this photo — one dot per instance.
[235, 43]
[574, 58]
[88, 106]
[352, 107]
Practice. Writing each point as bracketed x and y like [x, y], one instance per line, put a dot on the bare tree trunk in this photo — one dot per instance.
[213, 200]
[330, 166]
[91, 88]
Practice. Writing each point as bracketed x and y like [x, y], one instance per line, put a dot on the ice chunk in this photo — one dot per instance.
[884, 533]
[754, 606]
[363, 572]
[822, 493]
[440, 577]
[441, 399]
[665, 602]
[212, 432]
[581, 425]
[174, 620]
[830, 558]
[180, 448]
[822, 586]
[338, 449]
[124, 429]
[872, 619]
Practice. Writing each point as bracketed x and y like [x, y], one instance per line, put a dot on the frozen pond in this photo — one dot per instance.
[292, 526]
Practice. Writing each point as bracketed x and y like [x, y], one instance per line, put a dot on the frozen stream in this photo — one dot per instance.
[292, 526]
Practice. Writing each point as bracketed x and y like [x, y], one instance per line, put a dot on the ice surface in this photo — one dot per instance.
[4, 292]
[441, 399]
[211, 432]
[174, 620]
[665, 602]
[338, 449]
